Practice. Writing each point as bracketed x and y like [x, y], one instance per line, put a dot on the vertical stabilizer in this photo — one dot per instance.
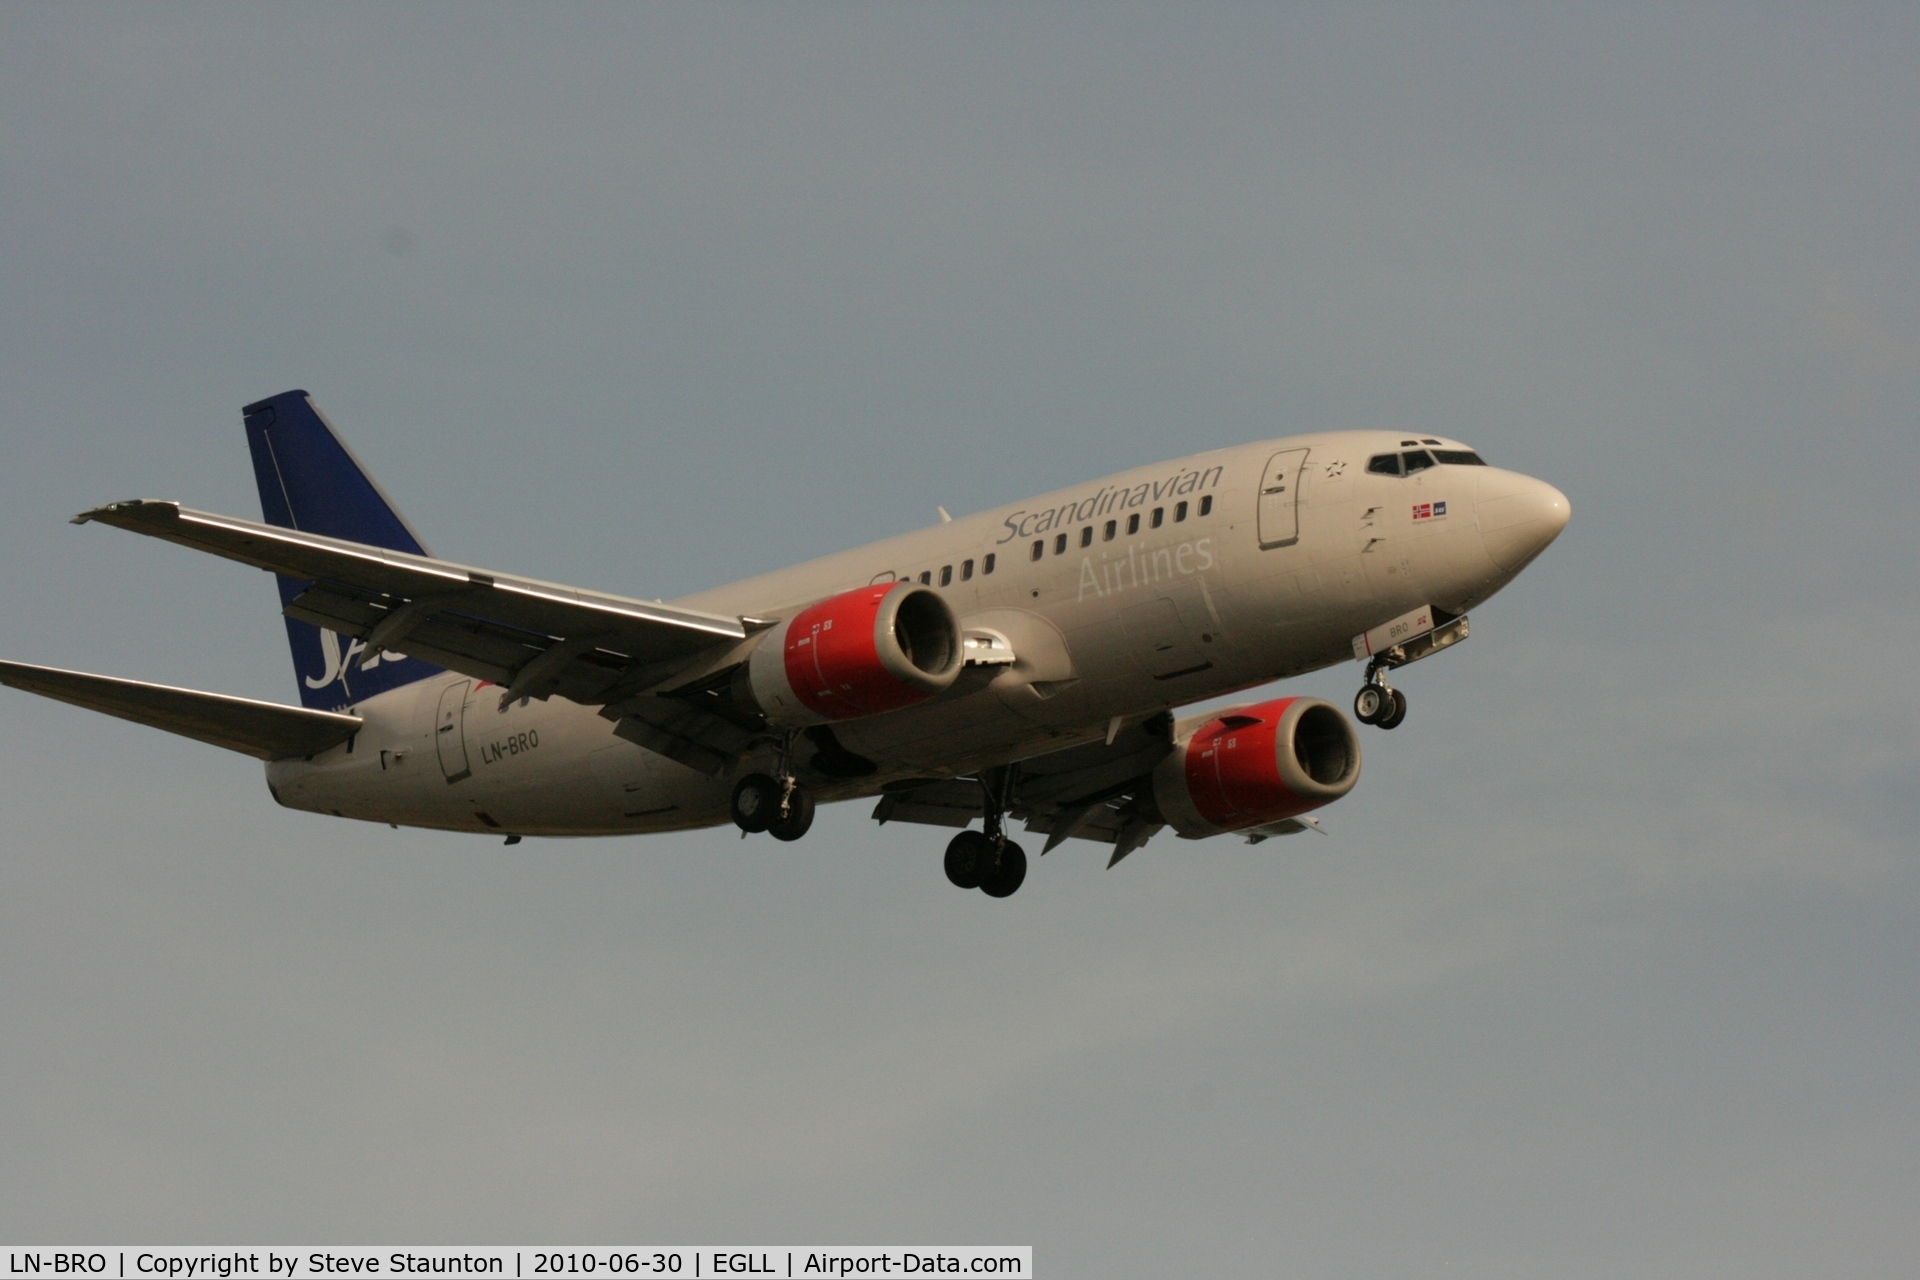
[310, 481]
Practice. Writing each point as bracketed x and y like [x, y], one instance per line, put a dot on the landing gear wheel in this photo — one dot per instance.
[1007, 875]
[1395, 713]
[969, 854]
[1372, 703]
[792, 824]
[755, 802]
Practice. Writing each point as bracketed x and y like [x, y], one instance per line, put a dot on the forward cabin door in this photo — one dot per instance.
[449, 731]
[1279, 499]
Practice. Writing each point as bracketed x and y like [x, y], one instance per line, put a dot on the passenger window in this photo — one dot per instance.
[946, 575]
[1159, 516]
[1060, 544]
[1179, 512]
[1206, 505]
[1386, 464]
[1417, 461]
[966, 570]
[1106, 534]
[1133, 523]
[1458, 458]
[926, 578]
[986, 566]
[1086, 536]
[1039, 549]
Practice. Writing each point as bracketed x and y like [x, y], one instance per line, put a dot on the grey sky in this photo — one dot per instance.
[1609, 965]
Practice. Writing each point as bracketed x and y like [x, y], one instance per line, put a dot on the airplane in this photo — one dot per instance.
[1027, 663]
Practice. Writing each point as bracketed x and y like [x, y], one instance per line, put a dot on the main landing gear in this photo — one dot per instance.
[987, 860]
[1378, 704]
[780, 806]
[784, 810]
[974, 862]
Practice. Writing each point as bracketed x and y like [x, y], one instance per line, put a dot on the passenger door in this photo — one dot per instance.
[449, 731]
[1279, 499]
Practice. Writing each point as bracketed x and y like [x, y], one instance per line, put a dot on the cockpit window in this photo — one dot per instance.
[1417, 460]
[1385, 464]
[1459, 458]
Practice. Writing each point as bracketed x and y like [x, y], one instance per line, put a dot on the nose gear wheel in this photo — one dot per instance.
[1378, 703]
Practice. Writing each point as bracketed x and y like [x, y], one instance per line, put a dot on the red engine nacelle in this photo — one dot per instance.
[875, 649]
[1255, 765]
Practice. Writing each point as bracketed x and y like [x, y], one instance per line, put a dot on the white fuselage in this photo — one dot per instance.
[1231, 588]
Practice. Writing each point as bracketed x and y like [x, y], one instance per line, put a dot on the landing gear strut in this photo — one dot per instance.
[1378, 703]
[987, 860]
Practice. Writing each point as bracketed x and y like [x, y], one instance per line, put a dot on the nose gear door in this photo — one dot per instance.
[449, 731]
[1279, 499]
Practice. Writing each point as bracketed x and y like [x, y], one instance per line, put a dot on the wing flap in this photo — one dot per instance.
[1099, 791]
[264, 730]
[952, 803]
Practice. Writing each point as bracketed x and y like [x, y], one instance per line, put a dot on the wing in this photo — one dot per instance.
[1100, 791]
[264, 730]
[534, 639]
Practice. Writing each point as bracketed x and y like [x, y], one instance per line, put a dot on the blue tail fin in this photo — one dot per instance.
[310, 482]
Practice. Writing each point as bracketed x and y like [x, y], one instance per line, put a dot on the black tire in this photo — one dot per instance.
[756, 799]
[1371, 703]
[1008, 874]
[1398, 712]
[967, 857]
[798, 818]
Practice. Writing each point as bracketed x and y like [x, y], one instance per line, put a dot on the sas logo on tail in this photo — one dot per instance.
[338, 664]
[1429, 511]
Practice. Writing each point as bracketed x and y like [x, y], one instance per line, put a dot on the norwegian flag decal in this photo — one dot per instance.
[1429, 510]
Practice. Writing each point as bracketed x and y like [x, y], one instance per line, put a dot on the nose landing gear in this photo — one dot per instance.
[1378, 703]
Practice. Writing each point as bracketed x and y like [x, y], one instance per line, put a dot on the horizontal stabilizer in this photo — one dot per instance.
[264, 730]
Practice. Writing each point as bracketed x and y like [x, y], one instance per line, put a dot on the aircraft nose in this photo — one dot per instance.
[1519, 516]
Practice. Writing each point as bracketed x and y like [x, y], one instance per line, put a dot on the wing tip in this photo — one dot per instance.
[122, 508]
